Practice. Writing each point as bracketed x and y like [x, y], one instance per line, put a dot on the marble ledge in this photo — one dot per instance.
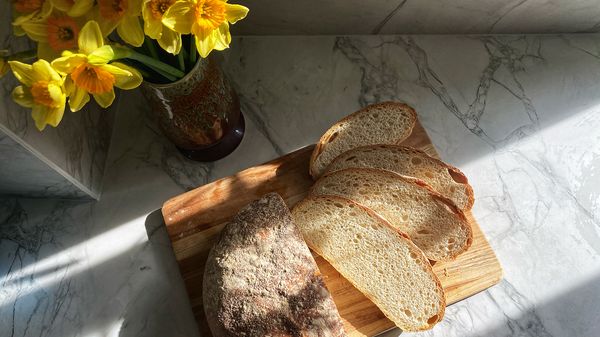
[520, 115]
[354, 17]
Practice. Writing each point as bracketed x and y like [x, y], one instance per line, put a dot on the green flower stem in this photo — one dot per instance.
[151, 48]
[180, 59]
[160, 67]
[193, 51]
[166, 75]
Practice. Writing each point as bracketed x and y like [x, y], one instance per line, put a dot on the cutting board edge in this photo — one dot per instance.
[419, 139]
[186, 194]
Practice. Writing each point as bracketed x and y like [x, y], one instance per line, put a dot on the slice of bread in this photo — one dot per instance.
[375, 257]
[382, 123]
[432, 222]
[408, 161]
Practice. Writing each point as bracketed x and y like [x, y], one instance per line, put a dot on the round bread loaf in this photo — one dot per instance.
[261, 280]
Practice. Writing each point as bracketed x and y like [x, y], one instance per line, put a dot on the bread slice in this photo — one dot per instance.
[408, 161]
[382, 123]
[432, 222]
[375, 257]
[261, 280]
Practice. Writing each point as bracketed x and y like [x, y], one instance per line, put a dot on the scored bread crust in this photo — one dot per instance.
[324, 140]
[404, 238]
[463, 222]
[460, 176]
[260, 278]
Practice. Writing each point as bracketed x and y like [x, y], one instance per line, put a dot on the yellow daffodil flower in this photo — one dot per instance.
[42, 91]
[29, 11]
[122, 15]
[55, 34]
[208, 20]
[152, 12]
[74, 8]
[90, 73]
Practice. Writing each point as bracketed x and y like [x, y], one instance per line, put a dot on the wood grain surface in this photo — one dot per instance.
[194, 219]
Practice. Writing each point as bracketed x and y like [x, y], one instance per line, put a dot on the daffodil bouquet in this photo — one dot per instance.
[88, 47]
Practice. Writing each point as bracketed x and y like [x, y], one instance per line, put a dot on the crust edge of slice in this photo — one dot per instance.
[420, 183]
[404, 237]
[319, 147]
[469, 189]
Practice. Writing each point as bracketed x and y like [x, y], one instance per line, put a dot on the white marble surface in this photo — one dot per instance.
[25, 174]
[520, 115]
[76, 149]
[343, 17]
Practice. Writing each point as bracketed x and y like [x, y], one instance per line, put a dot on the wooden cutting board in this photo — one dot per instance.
[194, 219]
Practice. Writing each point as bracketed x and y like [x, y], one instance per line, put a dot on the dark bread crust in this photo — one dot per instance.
[260, 278]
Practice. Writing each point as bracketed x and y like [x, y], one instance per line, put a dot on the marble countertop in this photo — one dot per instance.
[520, 115]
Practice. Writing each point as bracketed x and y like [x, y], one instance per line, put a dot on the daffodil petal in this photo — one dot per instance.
[126, 77]
[80, 8]
[46, 10]
[57, 94]
[44, 71]
[69, 86]
[234, 13]
[19, 20]
[23, 72]
[222, 36]
[134, 7]
[170, 41]
[22, 97]
[67, 64]
[105, 99]
[37, 31]
[179, 17]
[130, 30]
[152, 27]
[63, 5]
[55, 115]
[90, 37]
[39, 113]
[206, 45]
[78, 98]
[106, 26]
[101, 55]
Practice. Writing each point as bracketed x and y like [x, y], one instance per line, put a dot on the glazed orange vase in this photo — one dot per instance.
[199, 113]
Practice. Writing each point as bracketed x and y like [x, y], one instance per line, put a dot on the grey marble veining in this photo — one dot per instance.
[25, 174]
[336, 17]
[76, 149]
[520, 115]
